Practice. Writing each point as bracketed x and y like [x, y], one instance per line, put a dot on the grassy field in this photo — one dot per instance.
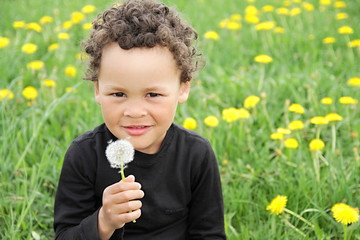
[280, 52]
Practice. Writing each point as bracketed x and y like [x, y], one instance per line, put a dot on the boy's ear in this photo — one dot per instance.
[184, 91]
[96, 92]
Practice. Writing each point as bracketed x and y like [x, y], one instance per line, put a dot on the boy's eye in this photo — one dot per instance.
[118, 94]
[153, 94]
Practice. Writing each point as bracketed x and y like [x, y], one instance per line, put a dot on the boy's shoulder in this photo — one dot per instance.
[100, 135]
[189, 136]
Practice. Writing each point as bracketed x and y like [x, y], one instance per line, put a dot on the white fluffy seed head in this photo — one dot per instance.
[119, 153]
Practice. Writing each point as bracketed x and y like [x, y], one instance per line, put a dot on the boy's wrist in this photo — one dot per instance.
[104, 230]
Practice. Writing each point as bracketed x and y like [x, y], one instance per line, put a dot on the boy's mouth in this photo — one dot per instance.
[136, 130]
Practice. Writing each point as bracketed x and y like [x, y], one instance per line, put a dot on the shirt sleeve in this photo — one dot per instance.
[76, 210]
[206, 217]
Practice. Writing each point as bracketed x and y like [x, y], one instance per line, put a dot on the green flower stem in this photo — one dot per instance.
[293, 227]
[262, 77]
[299, 217]
[318, 131]
[316, 165]
[122, 173]
[345, 232]
[333, 133]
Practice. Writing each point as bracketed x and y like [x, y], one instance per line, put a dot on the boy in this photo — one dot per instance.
[141, 63]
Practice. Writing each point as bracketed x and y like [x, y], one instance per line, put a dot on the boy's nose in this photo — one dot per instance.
[135, 109]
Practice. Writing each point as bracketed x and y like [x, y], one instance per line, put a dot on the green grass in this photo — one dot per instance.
[254, 168]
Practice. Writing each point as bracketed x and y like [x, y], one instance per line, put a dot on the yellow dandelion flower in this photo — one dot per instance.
[77, 17]
[252, 18]
[277, 205]
[287, 3]
[6, 94]
[268, 8]
[345, 30]
[4, 42]
[291, 143]
[81, 56]
[345, 214]
[229, 114]
[49, 83]
[70, 71]
[348, 100]
[279, 30]
[319, 120]
[326, 100]
[282, 11]
[211, 121]
[33, 26]
[263, 58]
[63, 36]
[331, 117]
[19, 24]
[325, 2]
[296, 125]
[308, 6]
[70, 89]
[30, 93]
[243, 113]
[29, 48]
[329, 40]
[36, 65]
[296, 108]
[233, 114]
[88, 9]
[211, 35]
[67, 25]
[232, 25]
[190, 123]
[340, 4]
[87, 26]
[251, 101]
[316, 144]
[354, 81]
[53, 47]
[251, 9]
[354, 43]
[269, 25]
[341, 16]
[295, 11]
[235, 17]
[277, 136]
[46, 19]
[283, 131]
[223, 23]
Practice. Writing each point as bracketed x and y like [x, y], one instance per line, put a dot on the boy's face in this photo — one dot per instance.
[138, 90]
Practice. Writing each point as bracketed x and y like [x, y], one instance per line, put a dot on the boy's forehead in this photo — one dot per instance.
[113, 53]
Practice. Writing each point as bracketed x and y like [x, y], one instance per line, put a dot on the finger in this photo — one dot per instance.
[123, 208]
[123, 186]
[126, 196]
[131, 216]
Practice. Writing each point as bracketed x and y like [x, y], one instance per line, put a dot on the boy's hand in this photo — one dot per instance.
[119, 206]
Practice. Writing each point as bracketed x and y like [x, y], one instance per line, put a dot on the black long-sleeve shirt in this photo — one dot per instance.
[183, 198]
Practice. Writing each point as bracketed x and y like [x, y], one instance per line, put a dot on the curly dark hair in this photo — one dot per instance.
[143, 23]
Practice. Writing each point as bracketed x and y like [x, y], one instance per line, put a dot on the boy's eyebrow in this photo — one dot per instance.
[155, 88]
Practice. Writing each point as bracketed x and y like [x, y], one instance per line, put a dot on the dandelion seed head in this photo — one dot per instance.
[119, 153]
